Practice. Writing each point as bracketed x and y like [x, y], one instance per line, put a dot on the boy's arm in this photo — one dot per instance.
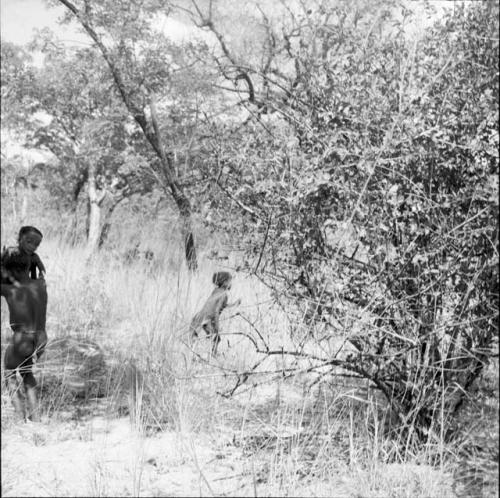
[4, 290]
[32, 270]
[4, 273]
[37, 263]
[231, 305]
[6, 276]
[7, 289]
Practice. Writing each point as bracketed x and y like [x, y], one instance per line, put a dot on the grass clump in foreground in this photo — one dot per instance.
[282, 436]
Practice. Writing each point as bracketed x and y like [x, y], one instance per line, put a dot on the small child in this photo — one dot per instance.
[24, 253]
[208, 317]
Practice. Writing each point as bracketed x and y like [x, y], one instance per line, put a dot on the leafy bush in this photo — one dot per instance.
[374, 197]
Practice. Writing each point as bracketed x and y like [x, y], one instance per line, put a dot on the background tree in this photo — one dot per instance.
[67, 100]
[137, 56]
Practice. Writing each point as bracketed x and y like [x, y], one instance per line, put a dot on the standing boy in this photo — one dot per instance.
[28, 241]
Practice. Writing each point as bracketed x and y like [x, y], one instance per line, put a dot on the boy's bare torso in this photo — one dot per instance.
[212, 308]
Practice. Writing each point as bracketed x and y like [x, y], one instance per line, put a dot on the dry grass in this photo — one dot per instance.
[276, 437]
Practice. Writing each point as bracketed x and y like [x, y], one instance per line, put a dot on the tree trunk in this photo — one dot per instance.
[21, 190]
[180, 198]
[14, 207]
[95, 200]
[25, 204]
[106, 226]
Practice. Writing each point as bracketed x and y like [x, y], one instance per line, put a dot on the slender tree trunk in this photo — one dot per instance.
[14, 207]
[21, 193]
[106, 225]
[95, 201]
[25, 204]
[180, 198]
[75, 229]
[24, 182]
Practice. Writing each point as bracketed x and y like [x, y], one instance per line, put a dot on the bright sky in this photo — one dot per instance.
[18, 21]
[20, 18]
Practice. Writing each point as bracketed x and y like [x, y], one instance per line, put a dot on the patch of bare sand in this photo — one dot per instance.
[241, 457]
[109, 458]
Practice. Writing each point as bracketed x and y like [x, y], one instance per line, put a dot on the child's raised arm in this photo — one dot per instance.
[234, 303]
[36, 262]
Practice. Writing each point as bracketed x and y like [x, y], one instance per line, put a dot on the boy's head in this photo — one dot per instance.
[29, 239]
[222, 279]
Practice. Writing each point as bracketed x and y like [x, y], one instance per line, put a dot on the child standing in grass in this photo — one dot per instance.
[24, 253]
[208, 318]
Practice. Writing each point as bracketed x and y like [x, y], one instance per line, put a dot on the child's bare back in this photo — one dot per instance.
[208, 317]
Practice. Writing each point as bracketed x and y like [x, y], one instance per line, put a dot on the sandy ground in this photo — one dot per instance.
[99, 456]
[95, 455]
[109, 457]
[102, 457]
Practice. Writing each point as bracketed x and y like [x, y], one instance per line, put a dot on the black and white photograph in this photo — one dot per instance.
[250, 248]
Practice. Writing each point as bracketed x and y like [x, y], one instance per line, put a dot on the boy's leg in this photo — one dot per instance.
[41, 342]
[215, 335]
[211, 330]
[29, 382]
[13, 386]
